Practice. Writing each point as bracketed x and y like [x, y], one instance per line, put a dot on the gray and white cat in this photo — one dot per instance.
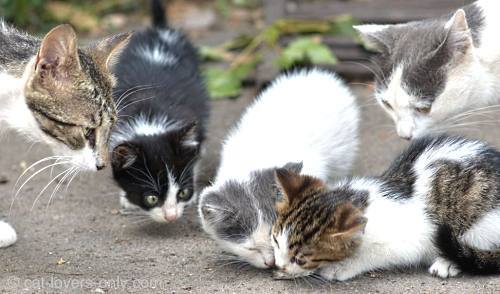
[432, 71]
[297, 123]
[55, 93]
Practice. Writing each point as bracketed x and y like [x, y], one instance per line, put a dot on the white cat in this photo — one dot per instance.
[432, 71]
[305, 121]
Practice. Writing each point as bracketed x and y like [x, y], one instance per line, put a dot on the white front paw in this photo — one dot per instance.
[8, 235]
[443, 268]
[125, 204]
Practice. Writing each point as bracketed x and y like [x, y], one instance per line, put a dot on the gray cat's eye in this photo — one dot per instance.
[183, 194]
[151, 200]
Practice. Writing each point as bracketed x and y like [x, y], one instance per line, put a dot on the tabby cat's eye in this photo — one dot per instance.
[151, 200]
[183, 194]
[423, 110]
[300, 262]
[386, 104]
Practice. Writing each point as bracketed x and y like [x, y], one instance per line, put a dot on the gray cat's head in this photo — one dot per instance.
[68, 91]
[240, 215]
[427, 69]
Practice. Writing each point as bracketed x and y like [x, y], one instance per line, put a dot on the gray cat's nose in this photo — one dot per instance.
[269, 263]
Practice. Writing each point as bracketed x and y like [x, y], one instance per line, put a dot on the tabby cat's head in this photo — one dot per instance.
[315, 226]
[68, 91]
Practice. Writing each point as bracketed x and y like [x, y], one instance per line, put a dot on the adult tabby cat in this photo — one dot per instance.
[438, 204]
[56, 93]
[432, 71]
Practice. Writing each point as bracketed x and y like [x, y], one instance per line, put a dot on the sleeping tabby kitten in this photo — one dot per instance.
[55, 93]
[297, 123]
[432, 71]
[438, 204]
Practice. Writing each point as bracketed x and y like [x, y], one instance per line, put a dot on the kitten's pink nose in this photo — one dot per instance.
[170, 217]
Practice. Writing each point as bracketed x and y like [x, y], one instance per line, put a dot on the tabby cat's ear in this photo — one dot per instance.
[295, 186]
[459, 35]
[376, 37]
[348, 222]
[107, 51]
[123, 156]
[58, 54]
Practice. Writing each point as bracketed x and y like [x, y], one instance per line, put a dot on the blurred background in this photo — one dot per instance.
[243, 43]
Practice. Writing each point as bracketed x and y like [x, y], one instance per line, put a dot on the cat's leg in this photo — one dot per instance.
[8, 235]
[443, 268]
[352, 267]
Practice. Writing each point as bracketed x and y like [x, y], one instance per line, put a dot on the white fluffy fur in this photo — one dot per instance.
[8, 235]
[473, 84]
[309, 117]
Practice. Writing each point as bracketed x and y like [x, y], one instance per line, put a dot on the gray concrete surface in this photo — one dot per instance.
[105, 252]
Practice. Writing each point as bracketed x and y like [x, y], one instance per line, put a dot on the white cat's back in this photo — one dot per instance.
[308, 116]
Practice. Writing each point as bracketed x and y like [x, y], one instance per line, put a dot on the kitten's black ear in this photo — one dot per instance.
[295, 167]
[376, 37]
[106, 52]
[459, 35]
[188, 135]
[123, 156]
[348, 222]
[58, 53]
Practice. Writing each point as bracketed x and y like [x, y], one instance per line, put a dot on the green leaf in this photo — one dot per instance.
[306, 50]
[211, 54]
[343, 25]
[244, 69]
[321, 54]
[272, 35]
[222, 83]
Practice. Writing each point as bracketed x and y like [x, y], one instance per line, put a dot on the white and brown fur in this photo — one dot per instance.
[430, 72]
[298, 123]
[437, 205]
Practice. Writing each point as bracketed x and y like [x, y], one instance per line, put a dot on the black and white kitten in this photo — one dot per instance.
[162, 106]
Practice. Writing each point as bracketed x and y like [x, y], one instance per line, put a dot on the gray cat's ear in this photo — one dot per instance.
[123, 156]
[106, 52]
[375, 37]
[211, 212]
[295, 167]
[459, 35]
[58, 53]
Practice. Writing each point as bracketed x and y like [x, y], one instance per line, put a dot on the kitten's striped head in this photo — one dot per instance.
[315, 226]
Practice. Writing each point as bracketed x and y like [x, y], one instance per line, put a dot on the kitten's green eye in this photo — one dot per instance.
[386, 104]
[183, 194]
[151, 200]
[87, 132]
[423, 110]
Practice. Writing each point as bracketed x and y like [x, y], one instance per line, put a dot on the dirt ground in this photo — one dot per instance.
[81, 243]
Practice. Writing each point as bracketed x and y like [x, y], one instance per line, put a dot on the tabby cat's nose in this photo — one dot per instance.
[100, 166]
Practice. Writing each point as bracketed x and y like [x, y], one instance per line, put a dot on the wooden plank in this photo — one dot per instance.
[378, 11]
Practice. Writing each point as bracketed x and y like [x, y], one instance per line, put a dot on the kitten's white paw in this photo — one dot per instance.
[443, 268]
[125, 204]
[8, 235]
